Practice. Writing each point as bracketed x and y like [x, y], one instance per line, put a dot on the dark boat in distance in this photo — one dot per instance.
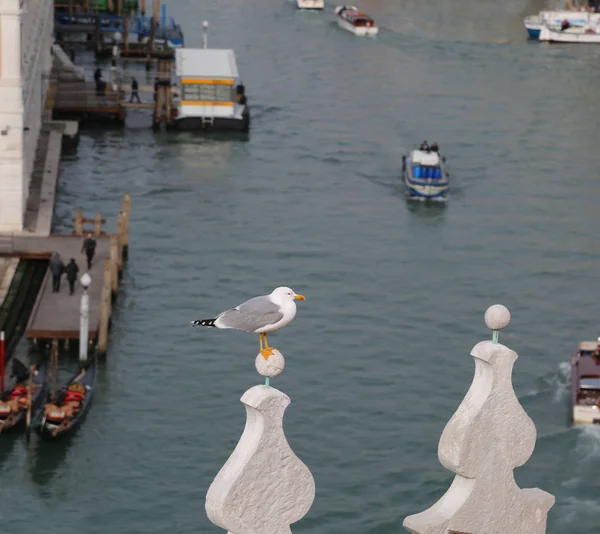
[15, 404]
[63, 413]
[585, 383]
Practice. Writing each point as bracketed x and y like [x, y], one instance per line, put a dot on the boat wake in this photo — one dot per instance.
[557, 383]
[588, 442]
[560, 381]
[436, 200]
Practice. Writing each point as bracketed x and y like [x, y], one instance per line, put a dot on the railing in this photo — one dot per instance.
[488, 436]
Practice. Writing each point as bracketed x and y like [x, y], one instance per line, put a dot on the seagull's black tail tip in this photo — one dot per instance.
[205, 322]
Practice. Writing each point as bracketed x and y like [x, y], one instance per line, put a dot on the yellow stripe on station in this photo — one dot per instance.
[205, 81]
[204, 103]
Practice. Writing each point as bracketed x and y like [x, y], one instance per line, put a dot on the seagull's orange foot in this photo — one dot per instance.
[266, 352]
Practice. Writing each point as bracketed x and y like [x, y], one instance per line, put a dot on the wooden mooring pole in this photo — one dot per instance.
[98, 225]
[120, 239]
[126, 210]
[105, 309]
[80, 220]
[79, 223]
[114, 263]
[113, 267]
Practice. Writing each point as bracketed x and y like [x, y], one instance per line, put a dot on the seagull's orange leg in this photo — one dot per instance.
[265, 350]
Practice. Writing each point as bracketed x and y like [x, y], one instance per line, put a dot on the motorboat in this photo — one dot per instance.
[586, 34]
[424, 175]
[553, 19]
[355, 21]
[310, 4]
[585, 383]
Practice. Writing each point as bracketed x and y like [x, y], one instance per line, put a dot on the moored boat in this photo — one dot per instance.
[18, 405]
[553, 19]
[424, 174]
[310, 4]
[355, 21]
[66, 409]
[212, 97]
[586, 34]
[585, 383]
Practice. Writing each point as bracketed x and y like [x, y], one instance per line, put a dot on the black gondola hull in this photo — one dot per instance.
[46, 429]
[36, 402]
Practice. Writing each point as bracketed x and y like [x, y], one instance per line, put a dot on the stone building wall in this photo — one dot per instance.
[26, 28]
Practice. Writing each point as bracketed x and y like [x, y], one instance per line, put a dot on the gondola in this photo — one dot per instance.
[66, 409]
[18, 406]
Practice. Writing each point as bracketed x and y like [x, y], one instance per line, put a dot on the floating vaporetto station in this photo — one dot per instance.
[212, 96]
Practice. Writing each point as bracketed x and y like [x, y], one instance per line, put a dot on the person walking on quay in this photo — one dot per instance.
[57, 268]
[72, 269]
[89, 247]
[134, 91]
[97, 75]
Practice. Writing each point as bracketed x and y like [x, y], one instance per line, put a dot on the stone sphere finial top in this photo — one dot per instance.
[497, 317]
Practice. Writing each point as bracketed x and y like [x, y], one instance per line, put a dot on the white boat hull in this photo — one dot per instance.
[425, 188]
[554, 19]
[310, 4]
[572, 35]
[586, 415]
[426, 192]
[369, 31]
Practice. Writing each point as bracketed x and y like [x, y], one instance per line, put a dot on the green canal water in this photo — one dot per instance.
[378, 356]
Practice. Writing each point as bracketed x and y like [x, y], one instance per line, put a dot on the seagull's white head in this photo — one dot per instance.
[282, 294]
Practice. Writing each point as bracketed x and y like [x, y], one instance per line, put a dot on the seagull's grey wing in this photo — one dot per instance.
[251, 315]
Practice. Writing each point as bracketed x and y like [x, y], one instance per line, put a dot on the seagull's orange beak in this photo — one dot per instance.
[299, 297]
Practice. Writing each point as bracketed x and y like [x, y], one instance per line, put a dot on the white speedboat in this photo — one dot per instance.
[355, 21]
[553, 19]
[424, 175]
[586, 34]
[310, 4]
[585, 383]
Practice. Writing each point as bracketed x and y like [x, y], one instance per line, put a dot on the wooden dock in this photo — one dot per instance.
[57, 315]
[80, 100]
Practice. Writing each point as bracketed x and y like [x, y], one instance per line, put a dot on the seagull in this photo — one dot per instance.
[259, 315]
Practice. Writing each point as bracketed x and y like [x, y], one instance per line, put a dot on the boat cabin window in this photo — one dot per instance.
[589, 390]
[426, 171]
[361, 21]
[205, 92]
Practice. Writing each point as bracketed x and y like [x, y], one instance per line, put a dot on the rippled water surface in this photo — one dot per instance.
[378, 356]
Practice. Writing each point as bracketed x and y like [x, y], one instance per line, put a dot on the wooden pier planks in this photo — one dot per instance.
[81, 97]
[56, 315]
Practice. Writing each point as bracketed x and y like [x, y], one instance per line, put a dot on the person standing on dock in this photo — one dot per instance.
[57, 268]
[134, 91]
[97, 75]
[72, 269]
[89, 247]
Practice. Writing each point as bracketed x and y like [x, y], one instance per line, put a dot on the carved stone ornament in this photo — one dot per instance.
[263, 487]
[485, 440]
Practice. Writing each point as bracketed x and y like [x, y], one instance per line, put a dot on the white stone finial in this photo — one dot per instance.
[271, 367]
[497, 317]
[263, 487]
[485, 440]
